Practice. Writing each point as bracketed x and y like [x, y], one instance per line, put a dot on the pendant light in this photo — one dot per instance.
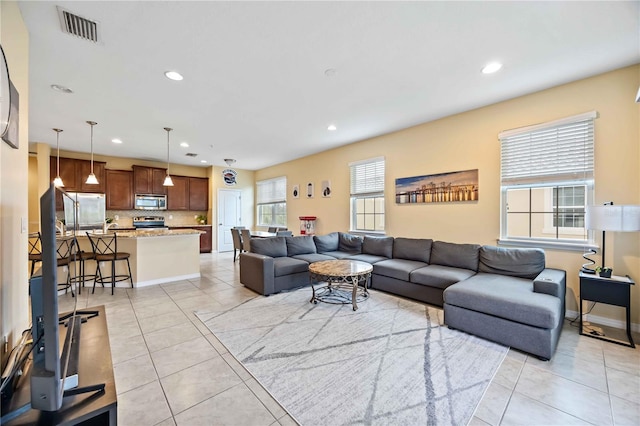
[57, 182]
[167, 179]
[92, 180]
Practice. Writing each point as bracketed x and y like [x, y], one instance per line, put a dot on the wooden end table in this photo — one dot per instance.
[343, 278]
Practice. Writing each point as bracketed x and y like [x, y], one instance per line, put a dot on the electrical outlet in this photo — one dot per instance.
[170, 217]
[116, 217]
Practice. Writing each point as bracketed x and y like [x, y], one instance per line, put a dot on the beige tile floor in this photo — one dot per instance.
[170, 369]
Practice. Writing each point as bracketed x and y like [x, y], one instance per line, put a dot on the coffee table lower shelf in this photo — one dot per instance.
[346, 282]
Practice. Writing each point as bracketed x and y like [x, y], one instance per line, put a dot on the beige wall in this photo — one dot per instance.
[14, 308]
[469, 141]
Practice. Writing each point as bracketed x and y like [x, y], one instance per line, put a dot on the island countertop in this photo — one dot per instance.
[157, 233]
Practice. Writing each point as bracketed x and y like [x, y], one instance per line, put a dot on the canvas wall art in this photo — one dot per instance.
[438, 188]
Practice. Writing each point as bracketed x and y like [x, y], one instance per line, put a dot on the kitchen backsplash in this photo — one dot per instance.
[171, 218]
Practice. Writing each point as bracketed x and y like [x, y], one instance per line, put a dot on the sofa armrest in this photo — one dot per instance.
[551, 281]
[257, 272]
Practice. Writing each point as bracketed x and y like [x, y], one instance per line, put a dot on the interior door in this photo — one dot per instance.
[229, 210]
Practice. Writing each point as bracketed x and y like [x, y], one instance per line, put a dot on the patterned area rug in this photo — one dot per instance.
[391, 362]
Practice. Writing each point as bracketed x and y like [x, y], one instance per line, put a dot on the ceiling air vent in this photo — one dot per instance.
[78, 26]
[191, 154]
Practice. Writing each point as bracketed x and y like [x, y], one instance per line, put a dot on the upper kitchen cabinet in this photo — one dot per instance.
[84, 169]
[198, 194]
[178, 194]
[119, 190]
[148, 180]
[74, 174]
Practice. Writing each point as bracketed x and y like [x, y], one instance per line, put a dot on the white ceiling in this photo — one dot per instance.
[254, 85]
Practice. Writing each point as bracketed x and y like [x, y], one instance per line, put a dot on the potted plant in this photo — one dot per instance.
[201, 219]
[604, 272]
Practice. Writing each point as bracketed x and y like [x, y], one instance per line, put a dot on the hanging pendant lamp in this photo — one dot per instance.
[91, 179]
[57, 182]
[167, 180]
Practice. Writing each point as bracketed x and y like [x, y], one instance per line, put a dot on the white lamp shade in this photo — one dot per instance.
[92, 180]
[167, 181]
[57, 182]
[622, 218]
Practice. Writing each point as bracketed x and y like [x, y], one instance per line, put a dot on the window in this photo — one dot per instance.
[367, 195]
[547, 180]
[272, 202]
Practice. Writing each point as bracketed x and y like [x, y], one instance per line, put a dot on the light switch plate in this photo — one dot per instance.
[23, 225]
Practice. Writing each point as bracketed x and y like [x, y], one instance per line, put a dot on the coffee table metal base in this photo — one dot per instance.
[343, 286]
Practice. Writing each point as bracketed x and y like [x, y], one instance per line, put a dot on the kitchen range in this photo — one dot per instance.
[149, 223]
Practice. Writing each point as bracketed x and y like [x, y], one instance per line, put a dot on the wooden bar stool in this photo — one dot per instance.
[35, 250]
[105, 249]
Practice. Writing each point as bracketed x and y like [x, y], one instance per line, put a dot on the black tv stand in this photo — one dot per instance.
[93, 402]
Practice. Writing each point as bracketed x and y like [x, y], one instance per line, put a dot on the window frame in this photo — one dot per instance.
[278, 199]
[537, 175]
[358, 192]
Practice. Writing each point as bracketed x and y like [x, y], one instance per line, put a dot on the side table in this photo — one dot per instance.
[611, 291]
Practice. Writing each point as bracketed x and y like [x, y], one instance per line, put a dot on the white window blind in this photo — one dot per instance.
[367, 177]
[272, 190]
[557, 151]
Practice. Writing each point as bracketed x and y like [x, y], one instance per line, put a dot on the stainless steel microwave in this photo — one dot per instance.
[151, 202]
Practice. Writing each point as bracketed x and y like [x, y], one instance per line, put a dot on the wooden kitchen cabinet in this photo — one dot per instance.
[178, 194]
[198, 194]
[119, 189]
[74, 173]
[149, 180]
[84, 169]
[206, 238]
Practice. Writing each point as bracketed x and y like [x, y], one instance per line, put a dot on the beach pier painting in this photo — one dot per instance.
[438, 188]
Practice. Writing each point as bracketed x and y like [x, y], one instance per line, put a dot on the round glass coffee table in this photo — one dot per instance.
[343, 279]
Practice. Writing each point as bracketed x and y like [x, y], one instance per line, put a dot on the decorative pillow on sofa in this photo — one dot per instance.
[456, 255]
[418, 249]
[326, 243]
[300, 245]
[274, 247]
[379, 246]
[514, 262]
[349, 243]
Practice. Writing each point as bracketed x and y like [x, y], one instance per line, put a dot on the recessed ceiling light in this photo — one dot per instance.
[203, 161]
[332, 127]
[173, 75]
[330, 72]
[116, 140]
[184, 144]
[491, 67]
[60, 88]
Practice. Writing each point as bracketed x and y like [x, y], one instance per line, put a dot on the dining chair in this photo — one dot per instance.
[237, 242]
[272, 229]
[280, 228]
[246, 239]
[105, 249]
[284, 234]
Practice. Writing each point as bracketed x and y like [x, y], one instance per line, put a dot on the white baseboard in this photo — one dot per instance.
[603, 321]
[166, 280]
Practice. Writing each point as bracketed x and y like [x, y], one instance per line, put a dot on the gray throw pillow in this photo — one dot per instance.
[274, 247]
[326, 243]
[514, 262]
[418, 249]
[455, 255]
[378, 246]
[300, 245]
[349, 243]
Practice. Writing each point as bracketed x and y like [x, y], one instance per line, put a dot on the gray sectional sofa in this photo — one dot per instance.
[502, 294]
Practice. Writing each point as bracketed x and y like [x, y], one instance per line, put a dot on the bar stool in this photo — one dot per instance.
[35, 250]
[63, 258]
[105, 249]
[80, 256]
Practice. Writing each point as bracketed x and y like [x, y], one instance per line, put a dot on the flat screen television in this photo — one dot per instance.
[46, 385]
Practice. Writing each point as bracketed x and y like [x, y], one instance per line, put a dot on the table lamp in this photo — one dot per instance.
[610, 217]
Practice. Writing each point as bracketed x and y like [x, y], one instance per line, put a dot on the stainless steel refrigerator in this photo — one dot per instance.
[89, 209]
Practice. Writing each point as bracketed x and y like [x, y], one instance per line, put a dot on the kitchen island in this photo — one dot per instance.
[157, 256]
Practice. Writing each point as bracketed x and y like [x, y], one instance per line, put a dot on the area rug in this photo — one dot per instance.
[390, 362]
